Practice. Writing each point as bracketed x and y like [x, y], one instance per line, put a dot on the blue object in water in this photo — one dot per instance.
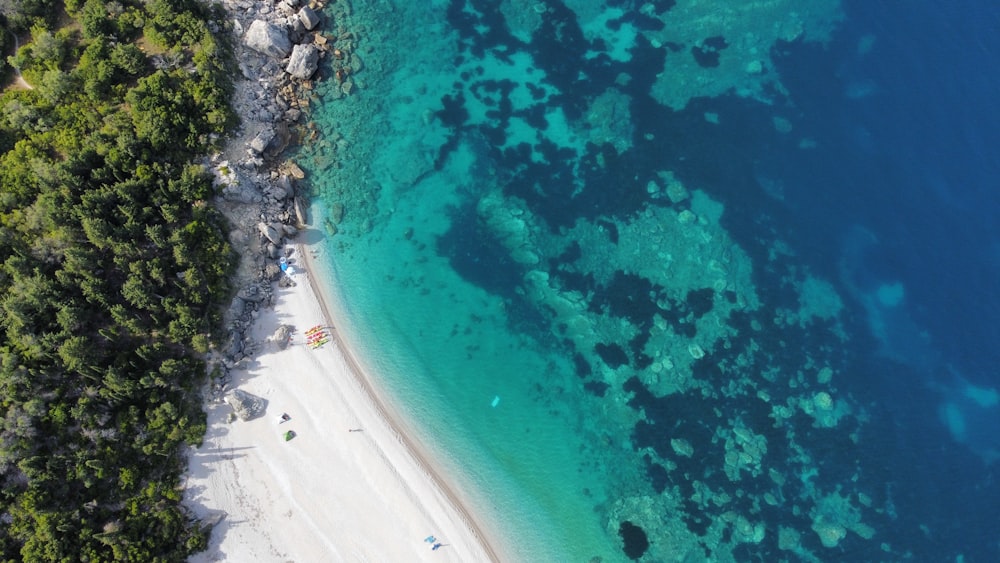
[496, 401]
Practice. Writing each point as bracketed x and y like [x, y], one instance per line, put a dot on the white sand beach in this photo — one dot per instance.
[329, 494]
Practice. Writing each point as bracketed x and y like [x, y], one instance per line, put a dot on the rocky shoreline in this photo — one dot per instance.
[282, 50]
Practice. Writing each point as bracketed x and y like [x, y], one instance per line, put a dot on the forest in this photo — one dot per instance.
[115, 270]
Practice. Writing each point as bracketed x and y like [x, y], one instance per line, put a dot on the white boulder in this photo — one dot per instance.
[268, 39]
[303, 62]
[245, 405]
[308, 17]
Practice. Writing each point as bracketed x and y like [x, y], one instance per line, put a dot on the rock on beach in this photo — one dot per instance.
[308, 17]
[245, 405]
[268, 39]
[303, 62]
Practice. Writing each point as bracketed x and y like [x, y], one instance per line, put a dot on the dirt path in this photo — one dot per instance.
[19, 82]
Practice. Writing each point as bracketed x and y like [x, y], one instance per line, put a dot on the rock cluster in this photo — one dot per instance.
[280, 47]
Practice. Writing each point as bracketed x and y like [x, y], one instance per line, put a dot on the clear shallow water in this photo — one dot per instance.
[731, 278]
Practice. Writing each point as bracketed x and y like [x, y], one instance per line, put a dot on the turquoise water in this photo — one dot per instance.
[634, 273]
[444, 349]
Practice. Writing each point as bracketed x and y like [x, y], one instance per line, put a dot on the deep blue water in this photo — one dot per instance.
[661, 372]
[913, 163]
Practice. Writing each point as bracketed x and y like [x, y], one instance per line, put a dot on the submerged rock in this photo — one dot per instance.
[634, 539]
[294, 170]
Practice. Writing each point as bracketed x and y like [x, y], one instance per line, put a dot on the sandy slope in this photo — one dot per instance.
[329, 494]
